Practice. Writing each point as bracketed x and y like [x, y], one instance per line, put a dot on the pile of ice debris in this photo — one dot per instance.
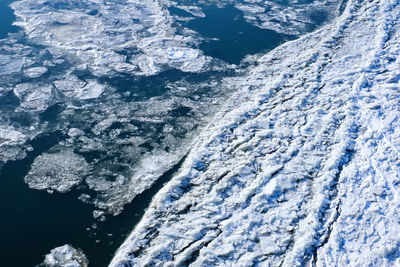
[300, 167]
[65, 256]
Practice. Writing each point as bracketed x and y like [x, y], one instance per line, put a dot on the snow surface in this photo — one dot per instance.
[300, 167]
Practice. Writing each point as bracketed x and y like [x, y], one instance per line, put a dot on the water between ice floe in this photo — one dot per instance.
[33, 222]
[6, 19]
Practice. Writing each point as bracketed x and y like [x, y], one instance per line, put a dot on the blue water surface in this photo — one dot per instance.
[6, 19]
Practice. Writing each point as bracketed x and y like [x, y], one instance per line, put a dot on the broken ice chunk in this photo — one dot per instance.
[59, 171]
[65, 256]
[90, 91]
[10, 65]
[35, 72]
[34, 97]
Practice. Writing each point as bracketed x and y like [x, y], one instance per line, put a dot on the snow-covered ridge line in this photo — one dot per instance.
[302, 165]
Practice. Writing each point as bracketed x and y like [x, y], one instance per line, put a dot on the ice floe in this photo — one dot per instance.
[65, 256]
[57, 171]
[299, 167]
[35, 72]
[34, 97]
[9, 65]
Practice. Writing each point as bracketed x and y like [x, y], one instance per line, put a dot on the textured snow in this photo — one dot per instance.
[65, 256]
[301, 166]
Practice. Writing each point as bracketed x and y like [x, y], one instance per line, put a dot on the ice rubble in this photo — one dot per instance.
[300, 166]
[65, 256]
[103, 35]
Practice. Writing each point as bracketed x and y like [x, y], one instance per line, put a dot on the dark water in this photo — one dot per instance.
[33, 222]
[235, 38]
[6, 19]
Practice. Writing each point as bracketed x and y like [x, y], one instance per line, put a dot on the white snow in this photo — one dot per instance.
[301, 166]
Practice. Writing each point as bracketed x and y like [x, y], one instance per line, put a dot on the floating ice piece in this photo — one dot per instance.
[9, 64]
[65, 256]
[35, 72]
[70, 85]
[35, 97]
[194, 10]
[58, 171]
[8, 137]
[74, 132]
[11, 144]
[90, 91]
[74, 87]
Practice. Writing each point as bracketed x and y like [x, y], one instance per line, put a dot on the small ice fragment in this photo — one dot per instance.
[65, 256]
[35, 72]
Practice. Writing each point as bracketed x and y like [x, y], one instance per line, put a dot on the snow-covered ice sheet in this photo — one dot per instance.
[300, 167]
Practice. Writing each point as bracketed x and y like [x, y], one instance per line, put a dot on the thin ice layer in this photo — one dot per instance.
[301, 166]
